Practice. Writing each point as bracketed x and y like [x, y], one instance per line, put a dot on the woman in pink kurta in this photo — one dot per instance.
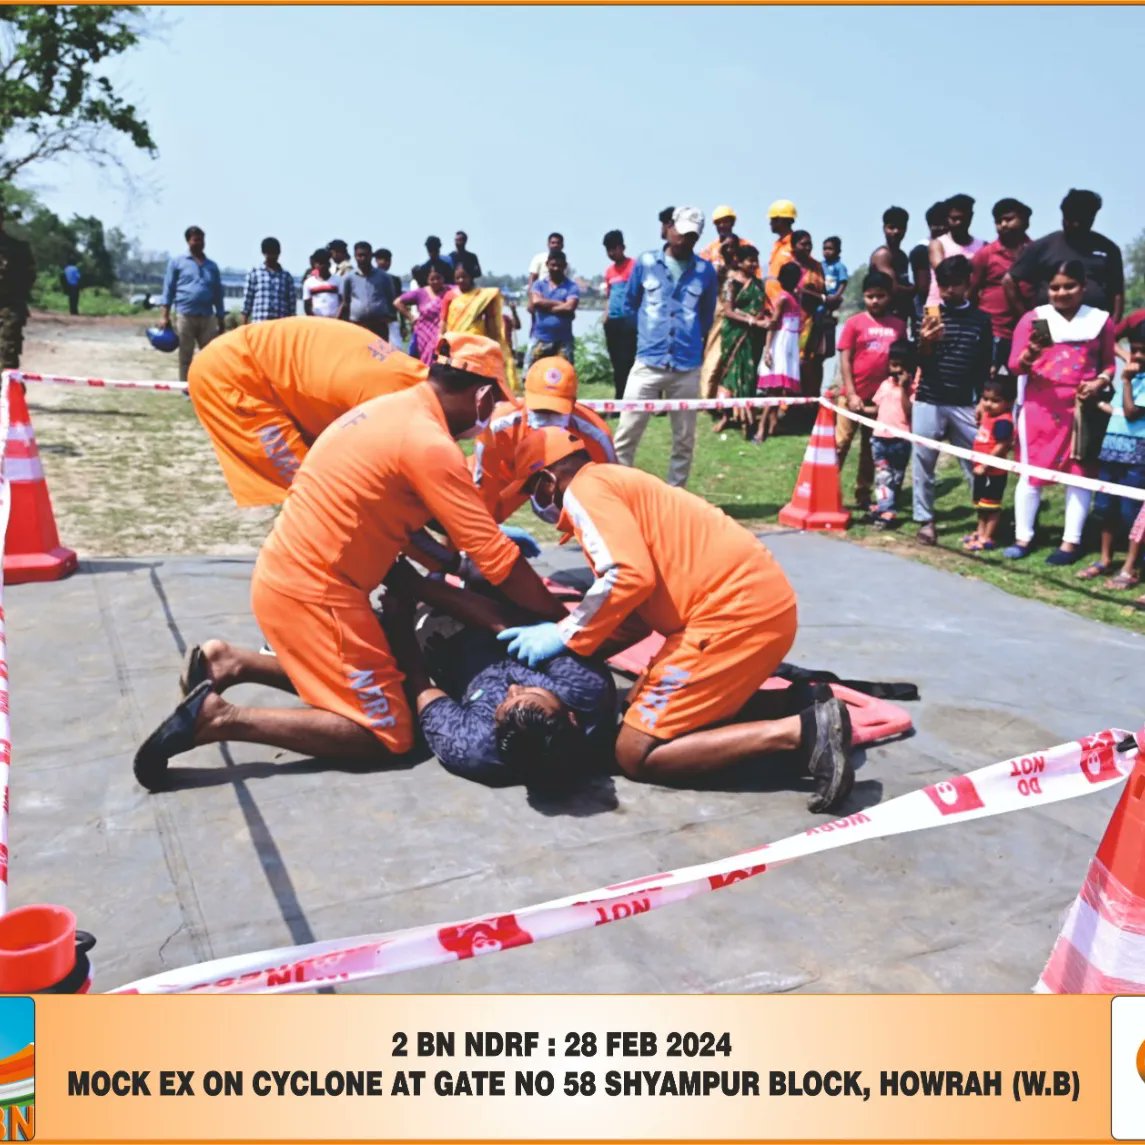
[1076, 362]
[430, 301]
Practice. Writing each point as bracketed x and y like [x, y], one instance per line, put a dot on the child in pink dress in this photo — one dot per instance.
[779, 368]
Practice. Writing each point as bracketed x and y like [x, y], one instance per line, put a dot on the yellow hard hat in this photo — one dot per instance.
[782, 209]
[724, 212]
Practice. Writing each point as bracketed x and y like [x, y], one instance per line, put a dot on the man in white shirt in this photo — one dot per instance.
[538, 267]
[321, 289]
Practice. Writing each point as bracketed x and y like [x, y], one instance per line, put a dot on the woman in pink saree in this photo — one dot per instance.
[1063, 355]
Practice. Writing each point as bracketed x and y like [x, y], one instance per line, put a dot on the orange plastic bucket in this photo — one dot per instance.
[37, 948]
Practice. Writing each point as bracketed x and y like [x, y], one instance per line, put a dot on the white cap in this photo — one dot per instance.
[688, 220]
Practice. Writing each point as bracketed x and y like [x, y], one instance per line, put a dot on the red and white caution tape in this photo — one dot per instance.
[1019, 467]
[695, 404]
[670, 405]
[5, 720]
[96, 383]
[1034, 780]
[611, 406]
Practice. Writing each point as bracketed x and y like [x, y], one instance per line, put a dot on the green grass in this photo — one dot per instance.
[95, 302]
[752, 483]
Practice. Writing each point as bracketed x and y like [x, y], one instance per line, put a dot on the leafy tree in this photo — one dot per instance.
[94, 258]
[853, 293]
[53, 99]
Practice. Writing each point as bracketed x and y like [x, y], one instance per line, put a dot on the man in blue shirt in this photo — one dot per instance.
[270, 290]
[72, 286]
[484, 715]
[673, 293]
[194, 287]
[552, 303]
[369, 294]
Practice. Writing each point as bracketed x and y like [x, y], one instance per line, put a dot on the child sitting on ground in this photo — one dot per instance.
[1122, 461]
[891, 406]
[995, 439]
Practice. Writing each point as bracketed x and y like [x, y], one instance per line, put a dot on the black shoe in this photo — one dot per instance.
[827, 731]
[175, 735]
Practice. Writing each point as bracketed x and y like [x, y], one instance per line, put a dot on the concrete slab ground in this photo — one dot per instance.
[261, 849]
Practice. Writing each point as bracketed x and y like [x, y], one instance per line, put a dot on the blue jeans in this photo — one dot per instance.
[1110, 509]
[891, 456]
[955, 424]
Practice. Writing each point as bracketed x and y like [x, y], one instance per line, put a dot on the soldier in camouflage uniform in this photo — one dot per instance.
[17, 274]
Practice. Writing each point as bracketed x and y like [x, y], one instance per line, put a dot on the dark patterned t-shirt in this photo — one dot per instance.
[475, 670]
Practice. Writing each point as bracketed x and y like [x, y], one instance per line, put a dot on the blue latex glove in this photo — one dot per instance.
[534, 644]
[523, 539]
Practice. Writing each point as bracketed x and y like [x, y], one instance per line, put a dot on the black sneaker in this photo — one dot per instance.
[828, 734]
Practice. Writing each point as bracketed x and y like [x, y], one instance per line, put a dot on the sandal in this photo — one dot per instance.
[1123, 581]
[1098, 568]
[194, 670]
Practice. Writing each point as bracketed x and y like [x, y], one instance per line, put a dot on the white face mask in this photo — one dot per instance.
[486, 397]
[545, 507]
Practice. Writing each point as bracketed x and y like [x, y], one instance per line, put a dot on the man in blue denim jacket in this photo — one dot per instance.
[673, 293]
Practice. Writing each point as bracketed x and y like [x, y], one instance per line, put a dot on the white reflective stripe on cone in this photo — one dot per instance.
[21, 432]
[23, 469]
[820, 455]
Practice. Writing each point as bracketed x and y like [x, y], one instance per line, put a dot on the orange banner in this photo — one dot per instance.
[688, 1068]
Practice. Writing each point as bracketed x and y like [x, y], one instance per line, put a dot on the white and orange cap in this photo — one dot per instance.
[540, 448]
[551, 384]
[474, 353]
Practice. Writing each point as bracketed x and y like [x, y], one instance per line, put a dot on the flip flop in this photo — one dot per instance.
[1093, 571]
[175, 735]
[1122, 581]
[194, 670]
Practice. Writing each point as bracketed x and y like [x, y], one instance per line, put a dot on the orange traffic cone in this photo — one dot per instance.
[32, 549]
[1101, 947]
[817, 502]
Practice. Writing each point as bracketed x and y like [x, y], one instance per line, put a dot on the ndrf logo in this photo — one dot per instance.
[17, 1069]
[1127, 1069]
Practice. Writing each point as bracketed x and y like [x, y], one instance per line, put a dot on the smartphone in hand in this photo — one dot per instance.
[1041, 331]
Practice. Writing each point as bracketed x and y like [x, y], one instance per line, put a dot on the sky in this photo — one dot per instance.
[389, 124]
[17, 1025]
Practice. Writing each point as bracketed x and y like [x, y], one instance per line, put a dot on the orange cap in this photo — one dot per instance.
[475, 353]
[551, 384]
[538, 449]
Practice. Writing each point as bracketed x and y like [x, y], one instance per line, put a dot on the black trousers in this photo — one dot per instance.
[620, 339]
[73, 299]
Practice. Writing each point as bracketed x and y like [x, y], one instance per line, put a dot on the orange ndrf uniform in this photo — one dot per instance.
[691, 573]
[265, 391]
[373, 478]
[494, 460]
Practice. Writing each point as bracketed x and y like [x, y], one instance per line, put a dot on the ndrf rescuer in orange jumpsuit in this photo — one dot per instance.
[550, 400]
[719, 598]
[377, 475]
[264, 393]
